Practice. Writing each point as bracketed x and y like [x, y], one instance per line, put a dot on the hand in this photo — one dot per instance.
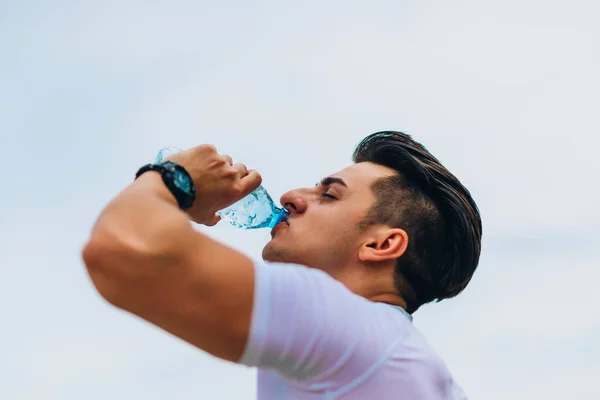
[219, 183]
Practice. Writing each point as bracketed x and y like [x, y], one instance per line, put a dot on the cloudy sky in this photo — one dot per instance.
[505, 93]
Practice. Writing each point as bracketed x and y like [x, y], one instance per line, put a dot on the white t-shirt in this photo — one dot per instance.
[312, 338]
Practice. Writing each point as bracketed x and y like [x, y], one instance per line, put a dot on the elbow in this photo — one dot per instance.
[108, 263]
[94, 258]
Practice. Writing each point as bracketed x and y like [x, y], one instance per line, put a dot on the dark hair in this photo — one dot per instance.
[436, 211]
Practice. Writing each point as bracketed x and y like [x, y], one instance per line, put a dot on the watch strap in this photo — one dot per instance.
[176, 179]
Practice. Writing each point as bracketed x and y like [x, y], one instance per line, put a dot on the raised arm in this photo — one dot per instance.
[144, 256]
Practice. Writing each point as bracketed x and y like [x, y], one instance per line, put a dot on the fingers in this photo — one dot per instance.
[228, 159]
[215, 219]
[251, 181]
[240, 169]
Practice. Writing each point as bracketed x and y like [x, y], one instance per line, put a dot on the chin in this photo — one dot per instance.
[274, 253]
[271, 254]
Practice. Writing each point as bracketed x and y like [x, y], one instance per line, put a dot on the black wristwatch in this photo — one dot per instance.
[177, 180]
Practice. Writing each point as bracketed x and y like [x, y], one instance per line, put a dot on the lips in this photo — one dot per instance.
[278, 227]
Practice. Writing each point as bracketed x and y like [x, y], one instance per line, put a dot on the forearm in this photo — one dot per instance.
[143, 223]
[145, 257]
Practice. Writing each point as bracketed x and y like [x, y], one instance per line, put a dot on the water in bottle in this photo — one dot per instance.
[257, 210]
[164, 153]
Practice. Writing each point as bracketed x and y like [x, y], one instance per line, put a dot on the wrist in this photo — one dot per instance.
[176, 179]
[152, 181]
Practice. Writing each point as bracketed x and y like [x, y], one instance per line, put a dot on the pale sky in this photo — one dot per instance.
[505, 93]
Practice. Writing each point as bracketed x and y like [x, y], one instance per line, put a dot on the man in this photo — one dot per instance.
[327, 315]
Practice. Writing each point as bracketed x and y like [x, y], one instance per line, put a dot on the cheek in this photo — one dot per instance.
[333, 232]
[337, 221]
[343, 220]
[326, 225]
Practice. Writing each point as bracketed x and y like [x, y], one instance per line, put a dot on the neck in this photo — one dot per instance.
[389, 298]
[376, 286]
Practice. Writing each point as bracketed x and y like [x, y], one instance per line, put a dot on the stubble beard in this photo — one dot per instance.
[272, 254]
[275, 253]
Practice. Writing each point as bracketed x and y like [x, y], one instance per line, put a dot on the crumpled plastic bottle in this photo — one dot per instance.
[257, 210]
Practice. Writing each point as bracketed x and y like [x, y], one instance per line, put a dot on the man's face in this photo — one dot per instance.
[322, 231]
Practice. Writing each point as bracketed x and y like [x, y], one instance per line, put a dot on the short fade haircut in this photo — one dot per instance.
[436, 211]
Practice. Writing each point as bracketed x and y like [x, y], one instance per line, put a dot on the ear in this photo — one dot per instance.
[384, 244]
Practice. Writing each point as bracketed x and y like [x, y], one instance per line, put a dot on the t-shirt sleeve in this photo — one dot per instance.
[311, 329]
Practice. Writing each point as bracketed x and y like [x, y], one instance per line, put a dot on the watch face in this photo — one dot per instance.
[182, 181]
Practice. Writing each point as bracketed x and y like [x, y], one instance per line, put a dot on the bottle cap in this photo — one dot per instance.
[280, 217]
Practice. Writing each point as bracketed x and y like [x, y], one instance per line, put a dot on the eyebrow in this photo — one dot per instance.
[330, 180]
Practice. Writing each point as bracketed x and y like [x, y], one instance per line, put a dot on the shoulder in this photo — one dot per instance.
[289, 284]
[320, 336]
[415, 359]
[317, 324]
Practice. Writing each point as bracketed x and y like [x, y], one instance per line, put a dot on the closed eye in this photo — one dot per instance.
[328, 196]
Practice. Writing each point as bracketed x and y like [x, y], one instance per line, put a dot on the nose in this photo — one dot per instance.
[294, 202]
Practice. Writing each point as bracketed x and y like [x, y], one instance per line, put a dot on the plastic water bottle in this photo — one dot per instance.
[164, 153]
[257, 210]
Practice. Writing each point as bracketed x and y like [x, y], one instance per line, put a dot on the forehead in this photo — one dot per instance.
[362, 175]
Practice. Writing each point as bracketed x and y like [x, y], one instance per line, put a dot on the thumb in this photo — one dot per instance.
[215, 220]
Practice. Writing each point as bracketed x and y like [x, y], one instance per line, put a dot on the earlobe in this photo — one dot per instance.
[392, 244]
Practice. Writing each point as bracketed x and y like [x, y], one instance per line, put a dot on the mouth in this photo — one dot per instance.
[279, 226]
